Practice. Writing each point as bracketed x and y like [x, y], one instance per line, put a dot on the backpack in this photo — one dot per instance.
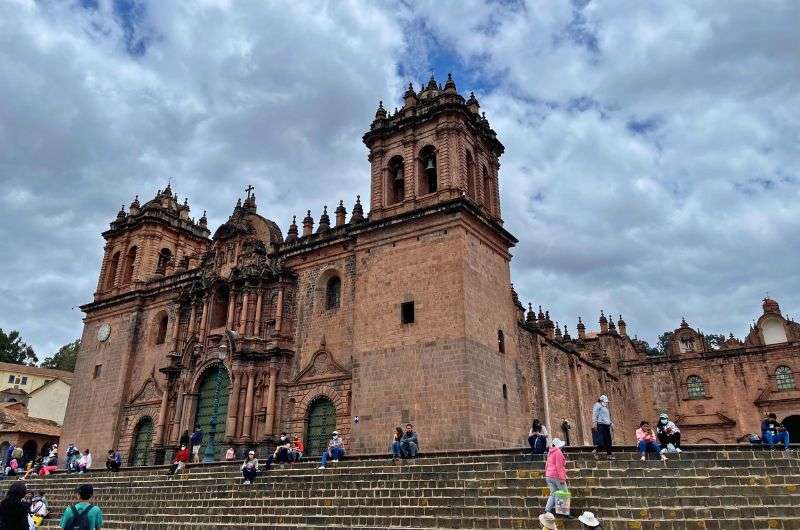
[80, 520]
[540, 445]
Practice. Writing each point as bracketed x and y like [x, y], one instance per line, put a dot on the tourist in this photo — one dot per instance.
[113, 460]
[668, 433]
[85, 461]
[396, 452]
[646, 440]
[249, 468]
[555, 472]
[548, 521]
[39, 509]
[230, 454]
[33, 468]
[9, 452]
[82, 514]
[179, 462]
[281, 453]
[409, 445]
[566, 426]
[12, 467]
[14, 511]
[195, 441]
[537, 438]
[588, 520]
[335, 450]
[297, 450]
[184, 439]
[601, 425]
[72, 456]
[50, 463]
[773, 431]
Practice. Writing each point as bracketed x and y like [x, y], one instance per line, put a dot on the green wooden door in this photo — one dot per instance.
[205, 408]
[321, 423]
[141, 442]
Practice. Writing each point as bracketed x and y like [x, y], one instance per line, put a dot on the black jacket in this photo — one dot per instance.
[14, 514]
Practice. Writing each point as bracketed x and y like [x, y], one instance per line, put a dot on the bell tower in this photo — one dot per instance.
[434, 149]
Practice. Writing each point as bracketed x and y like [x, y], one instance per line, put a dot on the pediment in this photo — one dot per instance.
[149, 392]
[769, 396]
[322, 366]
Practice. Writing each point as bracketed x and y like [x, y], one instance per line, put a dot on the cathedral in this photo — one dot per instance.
[360, 322]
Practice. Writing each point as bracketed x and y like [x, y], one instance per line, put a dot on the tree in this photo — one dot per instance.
[14, 350]
[64, 358]
[663, 345]
[715, 341]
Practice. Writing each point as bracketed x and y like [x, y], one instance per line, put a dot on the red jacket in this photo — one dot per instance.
[556, 465]
[182, 455]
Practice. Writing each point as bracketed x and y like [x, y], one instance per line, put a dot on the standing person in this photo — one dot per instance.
[82, 515]
[195, 441]
[396, 452]
[297, 450]
[565, 428]
[646, 441]
[14, 511]
[7, 456]
[555, 472]
[113, 460]
[179, 462]
[335, 450]
[409, 445]
[39, 509]
[773, 431]
[601, 425]
[668, 433]
[85, 461]
[249, 468]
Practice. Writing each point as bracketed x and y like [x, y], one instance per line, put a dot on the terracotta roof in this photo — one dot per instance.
[14, 418]
[35, 370]
[17, 391]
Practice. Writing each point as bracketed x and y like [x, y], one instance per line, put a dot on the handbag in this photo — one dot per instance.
[563, 497]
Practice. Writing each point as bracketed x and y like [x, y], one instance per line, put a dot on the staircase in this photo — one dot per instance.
[703, 488]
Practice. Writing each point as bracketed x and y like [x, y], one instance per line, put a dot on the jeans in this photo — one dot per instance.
[336, 454]
[554, 484]
[396, 449]
[645, 446]
[665, 439]
[532, 443]
[294, 456]
[781, 437]
[249, 474]
[112, 466]
[174, 468]
[408, 449]
[603, 440]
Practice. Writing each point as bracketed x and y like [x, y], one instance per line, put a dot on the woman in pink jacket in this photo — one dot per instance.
[555, 472]
[647, 441]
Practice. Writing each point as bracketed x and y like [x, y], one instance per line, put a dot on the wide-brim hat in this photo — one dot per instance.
[588, 519]
[558, 443]
[548, 520]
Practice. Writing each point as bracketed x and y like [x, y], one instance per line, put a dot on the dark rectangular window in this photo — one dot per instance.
[505, 391]
[24, 380]
[10, 378]
[407, 312]
[98, 368]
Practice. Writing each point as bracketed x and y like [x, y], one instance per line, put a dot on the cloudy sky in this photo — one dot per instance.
[651, 164]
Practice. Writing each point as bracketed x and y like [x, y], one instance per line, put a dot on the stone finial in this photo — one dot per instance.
[622, 326]
[566, 333]
[540, 316]
[291, 235]
[324, 221]
[558, 331]
[341, 214]
[380, 113]
[308, 224]
[121, 213]
[472, 103]
[581, 329]
[531, 316]
[135, 207]
[203, 220]
[410, 97]
[611, 327]
[603, 322]
[450, 85]
[358, 212]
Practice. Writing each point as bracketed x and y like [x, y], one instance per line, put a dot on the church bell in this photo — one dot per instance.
[431, 165]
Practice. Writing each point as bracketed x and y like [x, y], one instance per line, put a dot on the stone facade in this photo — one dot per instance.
[405, 315]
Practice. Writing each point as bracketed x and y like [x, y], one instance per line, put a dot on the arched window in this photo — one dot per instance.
[111, 273]
[164, 257]
[487, 190]
[333, 293]
[470, 167]
[130, 261]
[396, 186]
[501, 341]
[161, 332]
[696, 387]
[784, 379]
[428, 176]
[219, 309]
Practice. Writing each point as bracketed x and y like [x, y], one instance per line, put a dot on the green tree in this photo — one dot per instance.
[663, 344]
[14, 350]
[714, 340]
[64, 358]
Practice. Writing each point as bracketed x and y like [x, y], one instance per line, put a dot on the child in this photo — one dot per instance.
[647, 441]
[296, 450]
[39, 508]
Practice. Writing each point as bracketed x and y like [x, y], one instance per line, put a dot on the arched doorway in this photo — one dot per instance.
[45, 450]
[142, 440]
[205, 406]
[792, 424]
[29, 449]
[321, 422]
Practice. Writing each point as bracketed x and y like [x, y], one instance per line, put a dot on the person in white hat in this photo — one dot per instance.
[335, 450]
[548, 521]
[555, 472]
[588, 520]
[668, 433]
[601, 426]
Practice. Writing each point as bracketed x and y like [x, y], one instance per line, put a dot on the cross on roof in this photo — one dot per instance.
[249, 189]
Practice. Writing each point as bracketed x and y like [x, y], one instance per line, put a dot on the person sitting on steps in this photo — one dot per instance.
[281, 453]
[668, 433]
[335, 450]
[396, 452]
[249, 468]
[113, 460]
[646, 440]
[179, 462]
[296, 450]
[589, 521]
[409, 445]
[537, 438]
[773, 431]
[85, 461]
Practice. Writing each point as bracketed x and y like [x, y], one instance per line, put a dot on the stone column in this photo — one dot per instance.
[257, 322]
[233, 407]
[581, 416]
[545, 391]
[204, 319]
[231, 305]
[176, 328]
[176, 420]
[270, 414]
[279, 310]
[248, 406]
[162, 417]
[192, 320]
[243, 315]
